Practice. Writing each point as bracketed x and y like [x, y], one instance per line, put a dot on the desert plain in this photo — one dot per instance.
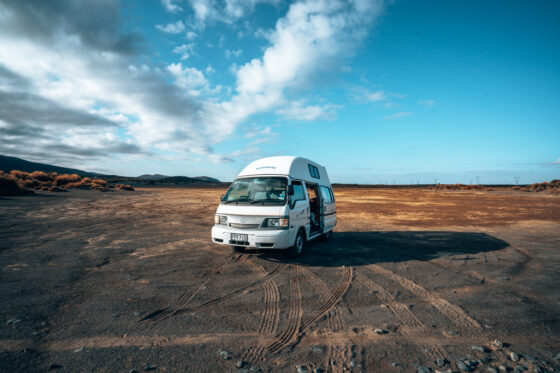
[411, 280]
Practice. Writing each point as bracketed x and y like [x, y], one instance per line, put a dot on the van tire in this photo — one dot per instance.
[238, 249]
[299, 245]
[325, 236]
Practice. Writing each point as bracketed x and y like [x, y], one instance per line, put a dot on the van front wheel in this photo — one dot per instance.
[299, 244]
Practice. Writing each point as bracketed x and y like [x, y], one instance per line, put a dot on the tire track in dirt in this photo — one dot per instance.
[412, 326]
[331, 301]
[162, 314]
[269, 276]
[453, 312]
[294, 316]
[336, 352]
[269, 320]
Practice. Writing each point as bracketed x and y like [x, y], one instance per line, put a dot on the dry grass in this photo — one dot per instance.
[53, 182]
[552, 187]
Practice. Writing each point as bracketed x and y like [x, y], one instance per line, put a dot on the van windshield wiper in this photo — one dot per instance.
[236, 200]
[266, 200]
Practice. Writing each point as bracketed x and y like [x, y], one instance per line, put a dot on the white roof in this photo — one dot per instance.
[295, 167]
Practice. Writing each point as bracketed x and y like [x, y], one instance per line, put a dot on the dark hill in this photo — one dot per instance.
[13, 163]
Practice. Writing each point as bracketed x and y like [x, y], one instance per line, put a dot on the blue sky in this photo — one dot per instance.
[378, 92]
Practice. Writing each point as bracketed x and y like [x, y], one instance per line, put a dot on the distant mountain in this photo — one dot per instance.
[208, 179]
[152, 177]
[13, 163]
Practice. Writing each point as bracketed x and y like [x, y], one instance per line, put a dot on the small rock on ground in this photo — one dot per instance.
[394, 365]
[149, 367]
[440, 362]
[240, 364]
[513, 356]
[492, 370]
[497, 343]
[318, 370]
[462, 366]
[478, 348]
[301, 369]
[380, 331]
[423, 370]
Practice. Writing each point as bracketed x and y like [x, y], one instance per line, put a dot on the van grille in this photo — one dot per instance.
[244, 226]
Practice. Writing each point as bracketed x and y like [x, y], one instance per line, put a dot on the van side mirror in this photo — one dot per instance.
[290, 190]
[222, 197]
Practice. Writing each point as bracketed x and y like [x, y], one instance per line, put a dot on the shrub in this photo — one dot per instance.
[66, 178]
[9, 187]
[40, 176]
[19, 174]
[99, 182]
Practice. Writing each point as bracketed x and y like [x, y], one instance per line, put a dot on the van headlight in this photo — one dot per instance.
[220, 219]
[276, 223]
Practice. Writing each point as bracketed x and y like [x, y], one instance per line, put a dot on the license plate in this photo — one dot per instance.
[239, 237]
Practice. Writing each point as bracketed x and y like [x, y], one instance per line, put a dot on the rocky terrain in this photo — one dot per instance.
[411, 281]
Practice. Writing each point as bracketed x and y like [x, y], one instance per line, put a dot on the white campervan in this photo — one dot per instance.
[276, 203]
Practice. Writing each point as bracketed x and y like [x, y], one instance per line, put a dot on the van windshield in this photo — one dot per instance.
[253, 190]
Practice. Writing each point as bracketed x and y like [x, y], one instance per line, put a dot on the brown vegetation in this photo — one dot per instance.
[9, 187]
[19, 182]
[552, 187]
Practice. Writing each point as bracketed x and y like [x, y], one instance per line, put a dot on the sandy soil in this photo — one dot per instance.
[124, 281]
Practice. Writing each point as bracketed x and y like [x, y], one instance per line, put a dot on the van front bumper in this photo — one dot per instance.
[258, 238]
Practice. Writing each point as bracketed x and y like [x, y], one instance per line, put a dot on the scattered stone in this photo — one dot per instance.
[422, 369]
[394, 365]
[440, 362]
[497, 343]
[485, 359]
[462, 366]
[452, 332]
[503, 278]
[133, 371]
[353, 364]
[518, 369]
[503, 368]
[557, 357]
[444, 371]
[317, 349]
[492, 370]
[301, 369]
[318, 370]
[240, 364]
[538, 369]
[478, 348]
[80, 349]
[513, 356]
[12, 321]
[224, 354]
[149, 367]
[379, 331]
[333, 363]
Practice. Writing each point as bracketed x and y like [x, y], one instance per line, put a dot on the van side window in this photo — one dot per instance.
[313, 171]
[326, 193]
[332, 194]
[299, 195]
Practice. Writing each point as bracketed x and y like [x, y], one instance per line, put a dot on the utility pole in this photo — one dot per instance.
[435, 180]
[516, 178]
[477, 180]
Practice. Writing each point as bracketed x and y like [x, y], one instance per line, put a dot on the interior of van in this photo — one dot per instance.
[314, 207]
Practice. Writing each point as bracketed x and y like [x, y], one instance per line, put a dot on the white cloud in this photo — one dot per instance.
[184, 50]
[557, 161]
[297, 110]
[233, 53]
[228, 11]
[172, 28]
[429, 103]
[188, 78]
[191, 35]
[170, 6]
[399, 115]
[375, 96]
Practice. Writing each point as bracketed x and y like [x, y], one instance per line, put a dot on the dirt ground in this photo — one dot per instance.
[130, 281]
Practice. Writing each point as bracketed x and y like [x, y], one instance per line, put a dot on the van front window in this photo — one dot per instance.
[257, 189]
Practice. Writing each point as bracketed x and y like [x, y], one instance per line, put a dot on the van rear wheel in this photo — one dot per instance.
[299, 244]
